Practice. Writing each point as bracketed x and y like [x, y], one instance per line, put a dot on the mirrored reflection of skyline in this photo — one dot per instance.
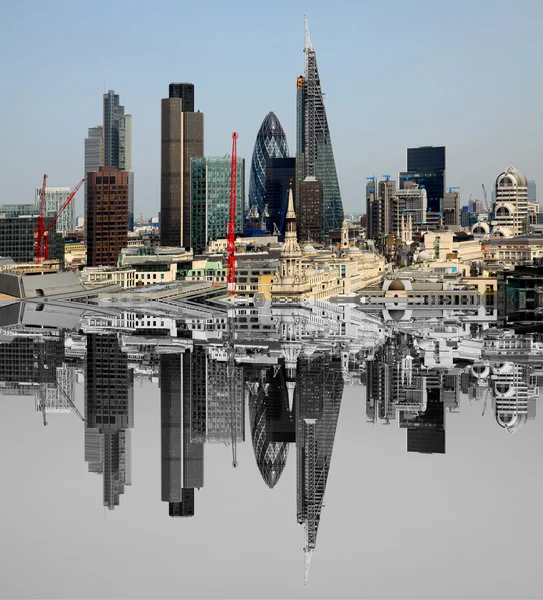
[277, 387]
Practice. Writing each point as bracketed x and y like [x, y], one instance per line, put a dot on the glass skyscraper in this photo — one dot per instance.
[210, 199]
[271, 142]
[314, 153]
[426, 166]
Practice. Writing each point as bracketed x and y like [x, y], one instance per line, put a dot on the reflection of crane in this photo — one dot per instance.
[68, 399]
[41, 231]
[231, 375]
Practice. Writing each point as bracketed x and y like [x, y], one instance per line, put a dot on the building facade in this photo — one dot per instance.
[210, 194]
[511, 204]
[54, 200]
[17, 239]
[271, 142]
[426, 166]
[182, 138]
[314, 153]
[107, 216]
[280, 177]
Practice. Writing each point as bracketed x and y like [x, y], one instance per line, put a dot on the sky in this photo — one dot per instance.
[395, 74]
[466, 524]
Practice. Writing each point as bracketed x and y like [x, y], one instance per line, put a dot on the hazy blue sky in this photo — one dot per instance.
[396, 73]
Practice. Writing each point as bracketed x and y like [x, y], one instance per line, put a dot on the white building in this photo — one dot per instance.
[54, 199]
[511, 206]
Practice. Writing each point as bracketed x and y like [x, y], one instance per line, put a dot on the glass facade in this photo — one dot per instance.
[17, 239]
[54, 200]
[315, 156]
[280, 176]
[271, 142]
[426, 166]
[210, 199]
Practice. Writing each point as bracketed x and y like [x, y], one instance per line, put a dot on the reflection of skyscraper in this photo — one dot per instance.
[182, 452]
[272, 425]
[319, 389]
[109, 407]
[271, 142]
[314, 154]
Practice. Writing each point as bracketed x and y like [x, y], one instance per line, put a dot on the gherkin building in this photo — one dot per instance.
[271, 456]
[271, 142]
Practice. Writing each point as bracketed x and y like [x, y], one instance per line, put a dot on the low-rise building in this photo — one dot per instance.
[521, 250]
[446, 244]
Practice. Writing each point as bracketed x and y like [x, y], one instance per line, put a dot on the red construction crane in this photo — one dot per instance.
[41, 232]
[231, 232]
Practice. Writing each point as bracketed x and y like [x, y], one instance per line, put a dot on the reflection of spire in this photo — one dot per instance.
[291, 385]
[308, 555]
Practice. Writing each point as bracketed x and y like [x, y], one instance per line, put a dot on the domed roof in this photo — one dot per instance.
[514, 176]
[308, 248]
[271, 457]
[424, 256]
[397, 285]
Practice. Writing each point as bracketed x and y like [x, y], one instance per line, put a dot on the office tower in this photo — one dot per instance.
[451, 208]
[314, 153]
[185, 91]
[411, 201]
[54, 200]
[515, 395]
[271, 142]
[379, 207]
[519, 295]
[106, 220]
[426, 166]
[182, 138]
[310, 194]
[17, 238]
[511, 202]
[280, 177]
[182, 462]
[109, 413]
[426, 428]
[94, 156]
[211, 199]
[318, 394]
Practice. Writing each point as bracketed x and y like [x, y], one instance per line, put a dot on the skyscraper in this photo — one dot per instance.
[271, 142]
[182, 138]
[280, 177]
[211, 199]
[314, 153]
[109, 408]
[94, 156]
[106, 220]
[426, 166]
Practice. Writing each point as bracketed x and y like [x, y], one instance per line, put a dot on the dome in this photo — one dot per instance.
[511, 177]
[308, 248]
[353, 250]
[424, 256]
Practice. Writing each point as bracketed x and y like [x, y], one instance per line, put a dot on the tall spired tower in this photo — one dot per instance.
[314, 153]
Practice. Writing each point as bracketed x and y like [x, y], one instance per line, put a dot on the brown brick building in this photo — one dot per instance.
[106, 221]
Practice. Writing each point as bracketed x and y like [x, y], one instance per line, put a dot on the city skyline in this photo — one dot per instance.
[371, 128]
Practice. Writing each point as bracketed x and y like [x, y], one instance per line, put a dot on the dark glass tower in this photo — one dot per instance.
[426, 166]
[314, 153]
[185, 91]
[271, 142]
[280, 176]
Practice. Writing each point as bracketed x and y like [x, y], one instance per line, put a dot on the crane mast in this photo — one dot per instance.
[231, 241]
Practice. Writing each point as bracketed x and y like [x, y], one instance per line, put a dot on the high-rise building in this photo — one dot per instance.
[271, 142]
[109, 408]
[94, 155]
[185, 91]
[106, 220]
[211, 199]
[310, 210]
[280, 177]
[314, 153]
[182, 138]
[54, 200]
[379, 207]
[182, 451]
[426, 166]
[511, 204]
[451, 208]
[532, 191]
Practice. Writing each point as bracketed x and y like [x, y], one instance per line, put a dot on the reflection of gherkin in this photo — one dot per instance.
[271, 142]
[271, 457]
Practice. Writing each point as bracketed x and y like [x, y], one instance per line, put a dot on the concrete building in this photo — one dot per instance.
[451, 209]
[54, 200]
[511, 204]
[444, 244]
[521, 250]
[182, 138]
[310, 211]
[107, 216]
